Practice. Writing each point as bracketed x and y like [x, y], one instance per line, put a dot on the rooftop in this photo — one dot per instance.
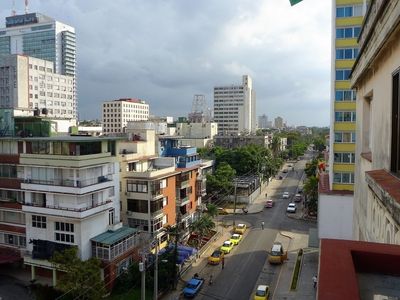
[111, 237]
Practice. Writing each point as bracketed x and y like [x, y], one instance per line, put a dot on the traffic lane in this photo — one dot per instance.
[242, 267]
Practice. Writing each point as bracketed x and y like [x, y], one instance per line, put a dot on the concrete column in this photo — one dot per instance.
[54, 277]
[33, 273]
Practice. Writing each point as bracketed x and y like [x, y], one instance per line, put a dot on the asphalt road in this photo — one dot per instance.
[243, 266]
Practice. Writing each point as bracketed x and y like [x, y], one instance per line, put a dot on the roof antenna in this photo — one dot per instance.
[13, 12]
[26, 6]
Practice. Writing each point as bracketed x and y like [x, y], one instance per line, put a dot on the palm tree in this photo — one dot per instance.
[311, 191]
[212, 210]
[275, 146]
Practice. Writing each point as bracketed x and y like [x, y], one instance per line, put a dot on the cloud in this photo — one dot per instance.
[167, 51]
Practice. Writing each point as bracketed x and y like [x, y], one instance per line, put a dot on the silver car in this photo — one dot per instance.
[291, 208]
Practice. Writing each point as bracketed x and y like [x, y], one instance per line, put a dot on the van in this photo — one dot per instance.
[277, 254]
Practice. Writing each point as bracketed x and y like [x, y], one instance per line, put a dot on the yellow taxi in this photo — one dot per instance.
[240, 228]
[227, 247]
[236, 238]
[216, 257]
[262, 292]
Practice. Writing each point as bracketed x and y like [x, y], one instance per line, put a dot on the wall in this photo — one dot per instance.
[335, 216]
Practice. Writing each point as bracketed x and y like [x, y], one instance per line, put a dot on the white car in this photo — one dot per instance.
[285, 195]
[291, 208]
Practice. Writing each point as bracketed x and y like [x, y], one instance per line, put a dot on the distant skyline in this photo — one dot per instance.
[165, 52]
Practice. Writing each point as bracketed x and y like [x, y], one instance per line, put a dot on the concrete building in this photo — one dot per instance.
[235, 108]
[336, 199]
[375, 76]
[197, 135]
[262, 122]
[42, 37]
[241, 141]
[278, 123]
[117, 113]
[30, 83]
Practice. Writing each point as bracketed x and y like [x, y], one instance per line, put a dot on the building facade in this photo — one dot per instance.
[117, 113]
[30, 83]
[376, 78]
[347, 20]
[262, 122]
[278, 123]
[235, 108]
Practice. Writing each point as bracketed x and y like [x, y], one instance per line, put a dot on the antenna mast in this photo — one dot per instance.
[26, 6]
[13, 12]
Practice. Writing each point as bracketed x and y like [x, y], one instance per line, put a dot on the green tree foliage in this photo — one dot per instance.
[311, 192]
[212, 210]
[311, 168]
[319, 144]
[221, 180]
[82, 278]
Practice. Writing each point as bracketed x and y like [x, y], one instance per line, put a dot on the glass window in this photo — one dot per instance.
[337, 177]
[346, 177]
[357, 31]
[346, 157]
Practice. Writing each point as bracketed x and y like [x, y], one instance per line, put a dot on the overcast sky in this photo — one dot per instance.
[166, 51]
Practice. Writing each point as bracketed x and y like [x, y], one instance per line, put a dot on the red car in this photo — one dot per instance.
[269, 203]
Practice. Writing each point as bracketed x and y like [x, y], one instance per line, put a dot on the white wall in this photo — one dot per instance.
[335, 216]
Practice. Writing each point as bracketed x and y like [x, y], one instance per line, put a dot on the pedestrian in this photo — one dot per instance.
[210, 282]
[314, 279]
[262, 225]
[223, 263]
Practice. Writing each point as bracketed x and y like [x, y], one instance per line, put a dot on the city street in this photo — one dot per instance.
[244, 265]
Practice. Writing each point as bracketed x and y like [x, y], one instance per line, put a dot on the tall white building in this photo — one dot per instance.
[42, 37]
[235, 108]
[31, 83]
[117, 113]
[263, 121]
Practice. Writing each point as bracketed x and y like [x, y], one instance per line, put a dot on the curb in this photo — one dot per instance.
[285, 235]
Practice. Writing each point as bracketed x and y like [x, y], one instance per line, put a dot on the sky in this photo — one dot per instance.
[166, 51]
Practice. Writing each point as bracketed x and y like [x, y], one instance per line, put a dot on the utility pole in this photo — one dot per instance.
[156, 272]
[142, 269]
[234, 204]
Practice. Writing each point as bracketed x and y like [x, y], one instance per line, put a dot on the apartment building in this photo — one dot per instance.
[117, 113]
[29, 83]
[197, 135]
[337, 186]
[262, 122]
[278, 123]
[235, 108]
[375, 76]
[58, 192]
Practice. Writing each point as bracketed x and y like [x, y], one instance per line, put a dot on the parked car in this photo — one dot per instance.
[291, 208]
[227, 247]
[269, 203]
[222, 211]
[236, 238]
[192, 287]
[297, 198]
[285, 195]
[240, 228]
[262, 292]
[216, 257]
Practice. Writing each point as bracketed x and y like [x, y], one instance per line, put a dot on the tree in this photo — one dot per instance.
[275, 145]
[82, 278]
[212, 210]
[221, 180]
[311, 191]
[311, 168]
[202, 227]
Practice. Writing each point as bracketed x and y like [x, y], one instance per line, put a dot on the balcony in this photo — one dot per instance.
[68, 186]
[181, 201]
[68, 212]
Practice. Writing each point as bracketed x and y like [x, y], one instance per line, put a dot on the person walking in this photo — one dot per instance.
[223, 263]
[314, 279]
[210, 282]
[262, 225]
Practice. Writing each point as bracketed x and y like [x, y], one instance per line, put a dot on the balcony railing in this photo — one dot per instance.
[69, 182]
[74, 209]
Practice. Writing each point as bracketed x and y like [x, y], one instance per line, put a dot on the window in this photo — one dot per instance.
[345, 137]
[38, 221]
[345, 95]
[343, 74]
[346, 157]
[345, 116]
[346, 178]
[61, 236]
[111, 214]
[347, 32]
[349, 11]
[395, 147]
[136, 186]
[346, 53]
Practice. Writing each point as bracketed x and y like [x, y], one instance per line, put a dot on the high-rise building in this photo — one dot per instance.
[348, 17]
[336, 187]
[279, 123]
[117, 113]
[235, 108]
[42, 37]
[262, 121]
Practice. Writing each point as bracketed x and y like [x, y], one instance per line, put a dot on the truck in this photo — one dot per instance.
[277, 255]
[192, 287]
